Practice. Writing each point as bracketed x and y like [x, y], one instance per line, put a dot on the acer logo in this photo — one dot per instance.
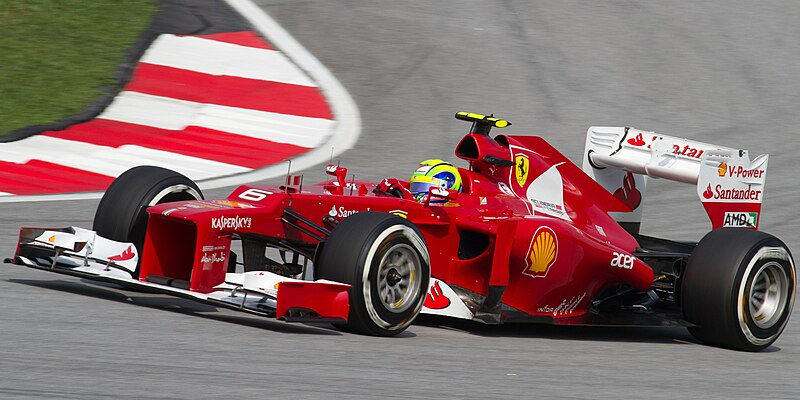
[436, 300]
[622, 260]
[124, 256]
[628, 194]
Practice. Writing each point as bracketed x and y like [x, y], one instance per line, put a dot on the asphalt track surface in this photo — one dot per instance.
[718, 72]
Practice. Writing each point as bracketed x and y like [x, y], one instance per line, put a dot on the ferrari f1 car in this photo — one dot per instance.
[529, 237]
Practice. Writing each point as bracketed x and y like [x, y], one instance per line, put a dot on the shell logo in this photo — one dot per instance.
[542, 253]
[723, 168]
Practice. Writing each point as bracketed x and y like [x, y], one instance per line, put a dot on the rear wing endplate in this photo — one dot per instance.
[729, 184]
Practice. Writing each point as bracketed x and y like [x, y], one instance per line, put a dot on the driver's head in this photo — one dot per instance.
[434, 173]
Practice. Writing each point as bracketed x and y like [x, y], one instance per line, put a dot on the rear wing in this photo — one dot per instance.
[729, 184]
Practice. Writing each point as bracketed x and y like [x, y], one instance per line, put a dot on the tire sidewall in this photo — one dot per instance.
[715, 288]
[766, 251]
[122, 214]
[384, 237]
[138, 224]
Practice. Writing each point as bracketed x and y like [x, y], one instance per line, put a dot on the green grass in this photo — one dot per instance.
[56, 55]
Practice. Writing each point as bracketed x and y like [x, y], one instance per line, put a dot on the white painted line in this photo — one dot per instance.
[110, 161]
[220, 58]
[167, 113]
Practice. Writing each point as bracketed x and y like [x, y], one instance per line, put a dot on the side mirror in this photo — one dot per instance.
[500, 162]
[340, 173]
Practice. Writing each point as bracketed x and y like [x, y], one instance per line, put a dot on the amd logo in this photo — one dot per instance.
[741, 219]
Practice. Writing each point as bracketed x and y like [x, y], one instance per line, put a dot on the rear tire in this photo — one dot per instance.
[385, 259]
[738, 289]
[122, 212]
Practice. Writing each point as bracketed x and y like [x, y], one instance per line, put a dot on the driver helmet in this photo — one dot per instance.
[434, 172]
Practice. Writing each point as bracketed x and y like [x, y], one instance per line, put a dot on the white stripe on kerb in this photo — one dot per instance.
[168, 113]
[220, 58]
[109, 160]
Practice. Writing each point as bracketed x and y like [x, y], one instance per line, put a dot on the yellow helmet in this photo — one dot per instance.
[434, 172]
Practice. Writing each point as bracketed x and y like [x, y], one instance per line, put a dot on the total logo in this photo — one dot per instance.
[622, 260]
[719, 193]
[234, 223]
[741, 219]
[341, 212]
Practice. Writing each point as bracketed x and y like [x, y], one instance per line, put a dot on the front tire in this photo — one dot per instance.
[385, 259]
[122, 212]
[738, 289]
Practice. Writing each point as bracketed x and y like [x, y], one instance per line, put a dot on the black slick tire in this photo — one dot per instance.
[738, 289]
[385, 259]
[122, 212]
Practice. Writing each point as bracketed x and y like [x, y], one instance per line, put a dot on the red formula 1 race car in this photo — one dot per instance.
[528, 236]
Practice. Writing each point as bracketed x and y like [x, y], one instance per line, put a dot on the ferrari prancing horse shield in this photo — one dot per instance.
[521, 170]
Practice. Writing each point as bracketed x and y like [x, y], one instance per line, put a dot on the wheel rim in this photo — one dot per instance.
[768, 295]
[175, 192]
[399, 275]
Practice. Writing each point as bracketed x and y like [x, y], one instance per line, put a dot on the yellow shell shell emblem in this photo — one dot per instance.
[542, 253]
[723, 168]
[521, 169]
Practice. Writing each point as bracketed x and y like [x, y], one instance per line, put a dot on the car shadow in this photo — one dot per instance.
[112, 292]
[626, 334]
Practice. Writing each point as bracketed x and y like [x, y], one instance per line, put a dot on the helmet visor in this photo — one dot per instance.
[420, 187]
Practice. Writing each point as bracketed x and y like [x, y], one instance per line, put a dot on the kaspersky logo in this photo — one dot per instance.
[521, 169]
[234, 223]
[542, 253]
[741, 219]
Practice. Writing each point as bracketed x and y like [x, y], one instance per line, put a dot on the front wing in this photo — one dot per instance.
[82, 253]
